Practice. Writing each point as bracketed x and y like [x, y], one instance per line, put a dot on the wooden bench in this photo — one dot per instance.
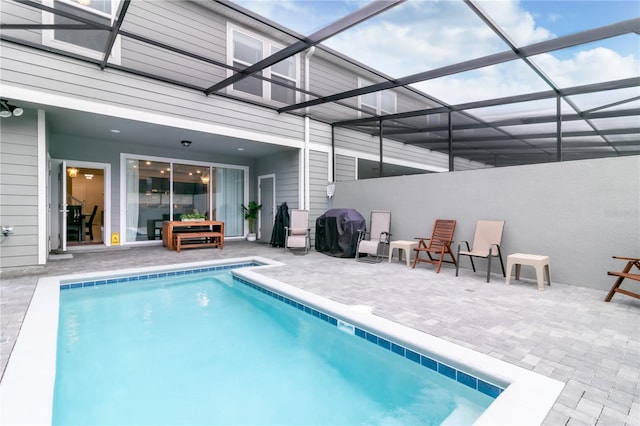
[198, 239]
[170, 230]
[625, 273]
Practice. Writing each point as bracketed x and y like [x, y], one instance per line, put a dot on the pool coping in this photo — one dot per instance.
[28, 382]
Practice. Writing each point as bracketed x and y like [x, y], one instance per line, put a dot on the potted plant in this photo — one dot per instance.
[251, 214]
[192, 217]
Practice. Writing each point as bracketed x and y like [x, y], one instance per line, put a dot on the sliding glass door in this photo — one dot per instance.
[161, 189]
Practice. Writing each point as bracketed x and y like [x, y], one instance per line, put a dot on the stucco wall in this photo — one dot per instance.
[580, 213]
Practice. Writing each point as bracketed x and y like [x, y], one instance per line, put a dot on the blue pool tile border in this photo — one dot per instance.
[142, 277]
[466, 379]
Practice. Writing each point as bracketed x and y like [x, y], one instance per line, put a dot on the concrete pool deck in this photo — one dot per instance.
[567, 333]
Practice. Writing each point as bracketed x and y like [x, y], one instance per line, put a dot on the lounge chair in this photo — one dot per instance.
[297, 233]
[374, 243]
[438, 245]
[486, 244]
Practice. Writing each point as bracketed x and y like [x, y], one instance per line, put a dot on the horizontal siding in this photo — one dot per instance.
[319, 133]
[183, 26]
[16, 13]
[19, 190]
[318, 169]
[285, 167]
[54, 74]
[345, 168]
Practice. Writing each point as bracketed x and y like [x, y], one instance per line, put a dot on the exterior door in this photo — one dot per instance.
[266, 197]
[62, 205]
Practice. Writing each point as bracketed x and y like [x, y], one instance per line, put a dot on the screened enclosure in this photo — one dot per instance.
[495, 83]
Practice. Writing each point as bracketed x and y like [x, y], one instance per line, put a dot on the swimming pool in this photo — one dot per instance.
[28, 382]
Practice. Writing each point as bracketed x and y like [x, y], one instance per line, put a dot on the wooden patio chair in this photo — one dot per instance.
[486, 244]
[438, 245]
[625, 273]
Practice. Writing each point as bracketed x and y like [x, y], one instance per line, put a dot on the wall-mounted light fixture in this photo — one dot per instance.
[186, 143]
[7, 110]
[73, 172]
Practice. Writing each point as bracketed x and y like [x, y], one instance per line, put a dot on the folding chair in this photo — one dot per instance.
[297, 233]
[438, 245]
[375, 243]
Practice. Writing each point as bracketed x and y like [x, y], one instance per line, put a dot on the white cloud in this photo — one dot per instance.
[589, 66]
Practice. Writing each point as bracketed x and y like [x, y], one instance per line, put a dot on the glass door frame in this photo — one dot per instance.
[170, 160]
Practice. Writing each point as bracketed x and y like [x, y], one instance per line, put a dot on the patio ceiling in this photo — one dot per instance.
[545, 117]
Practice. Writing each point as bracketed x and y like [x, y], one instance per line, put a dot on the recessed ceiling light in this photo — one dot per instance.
[115, 131]
[240, 149]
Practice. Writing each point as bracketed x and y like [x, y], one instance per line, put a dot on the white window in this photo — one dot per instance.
[91, 43]
[286, 72]
[378, 102]
[246, 49]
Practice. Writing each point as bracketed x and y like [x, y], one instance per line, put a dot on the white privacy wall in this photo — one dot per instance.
[580, 213]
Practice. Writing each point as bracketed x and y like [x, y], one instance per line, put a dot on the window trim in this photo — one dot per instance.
[48, 36]
[267, 44]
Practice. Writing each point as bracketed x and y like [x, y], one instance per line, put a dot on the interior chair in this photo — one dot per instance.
[297, 233]
[486, 244]
[89, 224]
[438, 246]
[375, 242]
[74, 223]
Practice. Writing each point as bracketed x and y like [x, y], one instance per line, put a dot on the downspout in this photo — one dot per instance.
[305, 196]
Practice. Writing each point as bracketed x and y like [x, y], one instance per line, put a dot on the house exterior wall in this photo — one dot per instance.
[580, 213]
[51, 80]
[285, 166]
[318, 180]
[19, 206]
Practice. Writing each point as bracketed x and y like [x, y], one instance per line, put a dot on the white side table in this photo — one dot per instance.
[407, 246]
[538, 262]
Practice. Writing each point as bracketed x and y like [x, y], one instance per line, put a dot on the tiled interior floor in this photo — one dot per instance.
[565, 332]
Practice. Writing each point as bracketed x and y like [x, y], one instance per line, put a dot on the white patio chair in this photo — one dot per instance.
[375, 243]
[297, 233]
[486, 243]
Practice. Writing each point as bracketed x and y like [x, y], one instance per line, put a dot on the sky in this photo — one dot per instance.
[421, 35]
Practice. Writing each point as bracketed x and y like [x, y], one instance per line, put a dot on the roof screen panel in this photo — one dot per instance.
[417, 36]
[618, 123]
[490, 82]
[608, 100]
[315, 14]
[520, 110]
[597, 62]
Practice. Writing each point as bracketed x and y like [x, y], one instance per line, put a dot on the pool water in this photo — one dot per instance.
[206, 349]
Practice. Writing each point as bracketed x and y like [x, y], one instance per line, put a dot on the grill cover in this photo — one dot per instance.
[337, 232]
